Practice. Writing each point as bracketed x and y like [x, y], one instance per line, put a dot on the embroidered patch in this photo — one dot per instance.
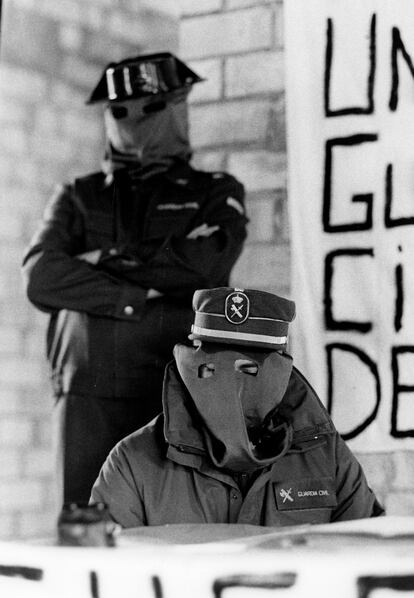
[234, 203]
[189, 205]
[237, 307]
[309, 493]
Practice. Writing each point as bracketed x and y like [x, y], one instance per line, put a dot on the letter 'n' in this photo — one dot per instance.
[397, 46]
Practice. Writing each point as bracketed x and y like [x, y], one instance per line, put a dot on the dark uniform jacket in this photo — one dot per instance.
[105, 338]
[161, 473]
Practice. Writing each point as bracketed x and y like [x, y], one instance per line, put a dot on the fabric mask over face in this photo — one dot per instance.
[149, 131]
[235, 392]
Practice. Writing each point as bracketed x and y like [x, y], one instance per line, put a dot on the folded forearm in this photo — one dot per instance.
[56, 281]
[186, 265]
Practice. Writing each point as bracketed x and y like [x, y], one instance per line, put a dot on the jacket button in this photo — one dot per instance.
[234, 496]
[113, 251]
[128, 310]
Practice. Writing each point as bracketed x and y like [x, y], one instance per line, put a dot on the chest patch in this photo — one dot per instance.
[189, 205]
[309, 493]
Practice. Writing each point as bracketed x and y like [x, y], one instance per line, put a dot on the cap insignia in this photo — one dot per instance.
[237, 307]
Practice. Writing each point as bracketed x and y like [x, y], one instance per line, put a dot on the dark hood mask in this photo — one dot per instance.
[236, 394]
[150, 134]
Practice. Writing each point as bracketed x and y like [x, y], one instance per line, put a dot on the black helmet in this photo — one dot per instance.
[142, 76]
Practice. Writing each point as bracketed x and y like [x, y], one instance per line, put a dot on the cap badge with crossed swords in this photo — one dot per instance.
[237, 307]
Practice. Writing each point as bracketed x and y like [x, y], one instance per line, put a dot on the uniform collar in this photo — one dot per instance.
[309, 416]
[182, 430]
[179, 173]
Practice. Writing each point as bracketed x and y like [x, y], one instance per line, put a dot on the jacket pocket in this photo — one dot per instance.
[300, 517]
[171, 218]
[302, 446]
[99, 230]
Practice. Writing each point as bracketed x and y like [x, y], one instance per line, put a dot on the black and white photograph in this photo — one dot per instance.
[206, 298]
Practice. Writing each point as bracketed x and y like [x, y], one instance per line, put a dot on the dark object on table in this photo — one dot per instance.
[80, 524]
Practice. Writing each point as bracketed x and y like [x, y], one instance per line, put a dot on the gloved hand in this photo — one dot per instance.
[92, 257]
[114, 260]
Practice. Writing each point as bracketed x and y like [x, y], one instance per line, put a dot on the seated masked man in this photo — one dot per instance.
[243, 438]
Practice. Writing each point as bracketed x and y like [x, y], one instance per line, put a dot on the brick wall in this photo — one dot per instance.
[51, 54]
[237, 120]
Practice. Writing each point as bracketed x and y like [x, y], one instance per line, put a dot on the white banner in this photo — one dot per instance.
[370, 559]
[350, 114]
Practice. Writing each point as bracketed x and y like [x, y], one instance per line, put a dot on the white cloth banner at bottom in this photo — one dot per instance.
[353, 558]
[350, 116]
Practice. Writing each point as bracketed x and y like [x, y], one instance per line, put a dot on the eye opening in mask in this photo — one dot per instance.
[206, 370]
[246, 366]
[156, 106]
[119, 112]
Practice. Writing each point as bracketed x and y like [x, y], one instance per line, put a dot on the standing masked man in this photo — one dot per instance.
[118, 257]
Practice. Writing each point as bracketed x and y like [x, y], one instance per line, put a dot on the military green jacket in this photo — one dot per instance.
[161, 473]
